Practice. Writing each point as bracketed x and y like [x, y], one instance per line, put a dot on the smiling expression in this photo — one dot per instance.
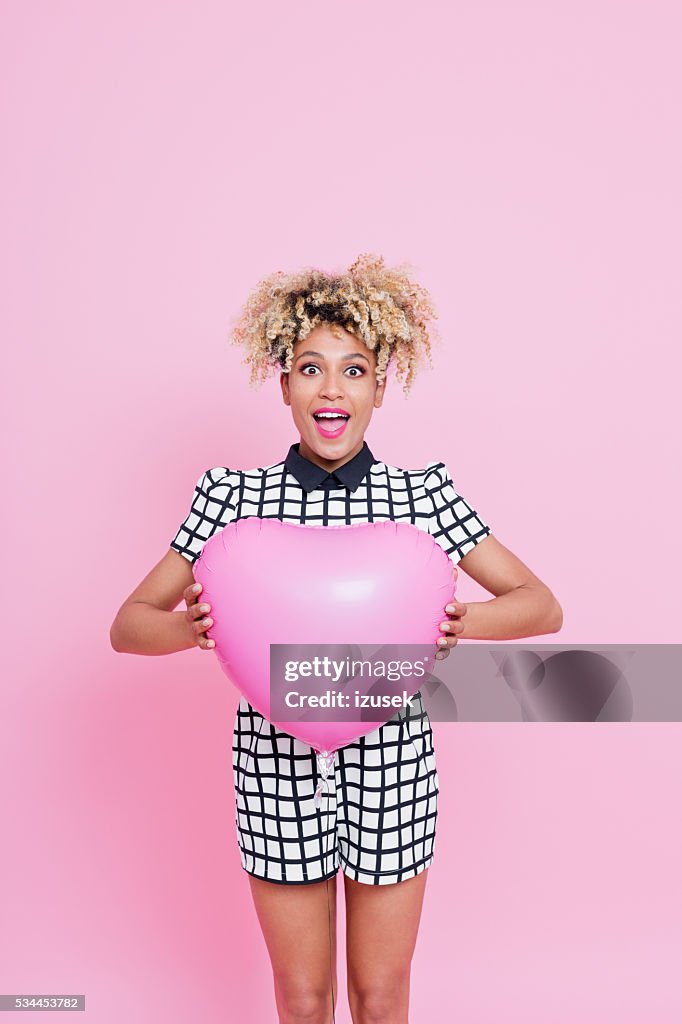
[333, 391]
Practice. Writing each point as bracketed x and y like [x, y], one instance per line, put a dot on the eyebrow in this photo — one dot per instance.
[353, 355]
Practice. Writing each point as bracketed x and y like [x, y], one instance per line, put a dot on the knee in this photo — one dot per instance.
[308, 1007]
[380, 1001]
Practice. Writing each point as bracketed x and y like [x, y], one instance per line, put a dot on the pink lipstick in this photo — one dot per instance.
[330, 421]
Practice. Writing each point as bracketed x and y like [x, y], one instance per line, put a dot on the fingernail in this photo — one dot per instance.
[442, 641]
[450, 609]
[204, 608]
[210, 643]
[196, 588]
[205, 622]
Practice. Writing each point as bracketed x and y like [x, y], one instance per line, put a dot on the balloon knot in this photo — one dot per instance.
[325, 762]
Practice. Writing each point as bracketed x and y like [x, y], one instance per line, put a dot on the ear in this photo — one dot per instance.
[379, 394]
[284, 383]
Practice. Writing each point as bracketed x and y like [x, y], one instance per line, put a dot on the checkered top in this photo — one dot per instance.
[426, 498]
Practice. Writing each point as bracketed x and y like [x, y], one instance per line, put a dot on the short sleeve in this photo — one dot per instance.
[212, 509]
[453, 523]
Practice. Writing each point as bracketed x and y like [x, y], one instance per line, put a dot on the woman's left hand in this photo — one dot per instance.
[452, 626]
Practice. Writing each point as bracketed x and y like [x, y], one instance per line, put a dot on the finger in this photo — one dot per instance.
[198, 611]
[206, 644]
[445, 644]
[455, 608]
[201, 625]
[191, 595]
[452, 626]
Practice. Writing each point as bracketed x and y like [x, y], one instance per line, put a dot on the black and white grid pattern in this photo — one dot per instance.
[426, 498]
[378, 817]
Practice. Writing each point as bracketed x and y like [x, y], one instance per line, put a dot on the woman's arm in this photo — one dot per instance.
[146, 622]
[523, 605]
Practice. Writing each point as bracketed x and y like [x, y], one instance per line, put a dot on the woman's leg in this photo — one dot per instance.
[382, 922]
[295, 921]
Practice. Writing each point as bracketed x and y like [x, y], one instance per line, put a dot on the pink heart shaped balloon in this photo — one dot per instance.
[272, 582]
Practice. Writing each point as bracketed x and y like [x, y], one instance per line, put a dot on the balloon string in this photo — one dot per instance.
[324, 764]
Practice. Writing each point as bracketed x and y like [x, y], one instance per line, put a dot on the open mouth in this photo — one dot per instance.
[331, 424]
[331, 419]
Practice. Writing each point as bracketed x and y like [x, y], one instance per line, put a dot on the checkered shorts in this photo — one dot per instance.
[376, 819]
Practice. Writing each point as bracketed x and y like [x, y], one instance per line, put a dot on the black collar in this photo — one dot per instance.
[311, 476]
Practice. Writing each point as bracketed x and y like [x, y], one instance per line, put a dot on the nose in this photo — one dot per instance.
[332, 387]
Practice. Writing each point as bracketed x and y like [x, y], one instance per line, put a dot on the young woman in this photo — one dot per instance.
[333, 339]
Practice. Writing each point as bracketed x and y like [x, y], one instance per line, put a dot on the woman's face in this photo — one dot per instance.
[331, 373]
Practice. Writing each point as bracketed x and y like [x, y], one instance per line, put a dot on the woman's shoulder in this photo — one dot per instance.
[232, 475]
[215, 476]
[432, 475]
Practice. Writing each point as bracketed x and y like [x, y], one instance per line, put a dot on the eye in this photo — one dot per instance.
[314, 366]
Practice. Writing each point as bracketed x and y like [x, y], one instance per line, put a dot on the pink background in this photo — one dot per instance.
[159, 158]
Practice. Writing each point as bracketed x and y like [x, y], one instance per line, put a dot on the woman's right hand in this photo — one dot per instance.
[197, 616]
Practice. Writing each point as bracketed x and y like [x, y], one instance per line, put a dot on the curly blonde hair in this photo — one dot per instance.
[380, 305]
